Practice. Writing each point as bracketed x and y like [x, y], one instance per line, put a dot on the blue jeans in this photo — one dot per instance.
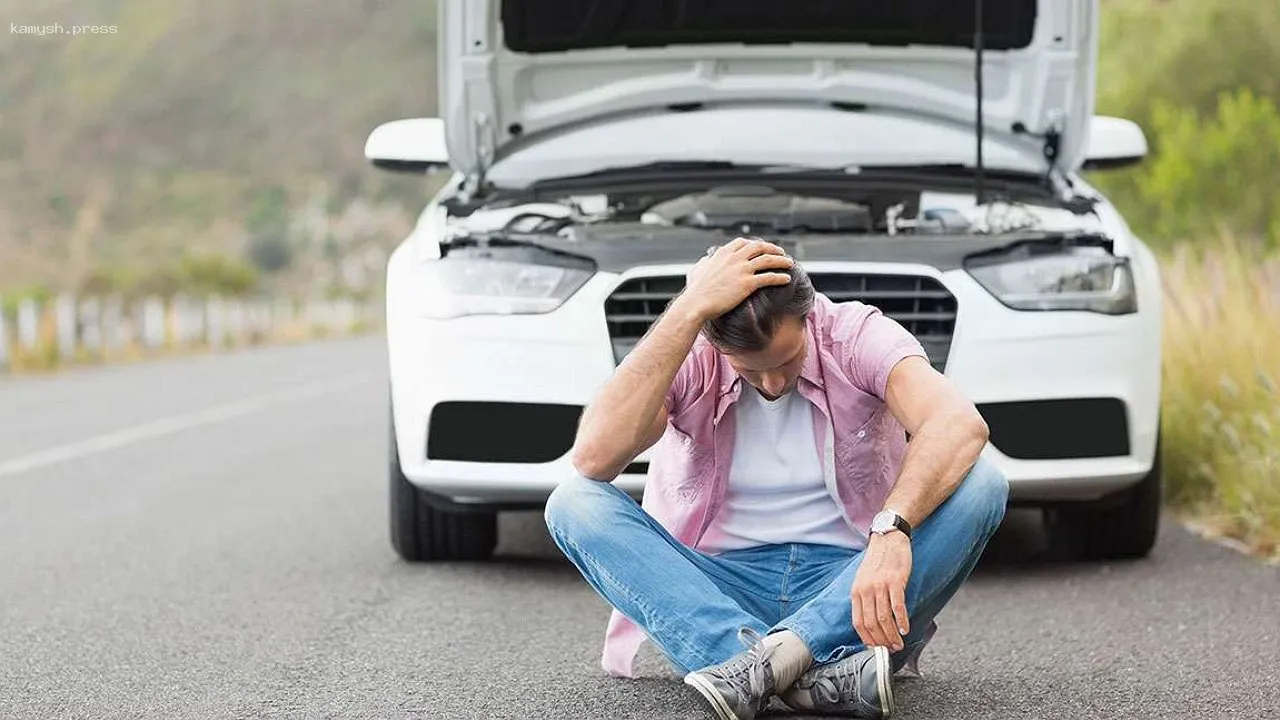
[691, 604]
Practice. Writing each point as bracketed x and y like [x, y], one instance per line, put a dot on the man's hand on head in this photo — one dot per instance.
[722, 279]
[878, 595]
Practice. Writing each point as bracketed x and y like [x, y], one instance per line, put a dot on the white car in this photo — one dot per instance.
[597, 147]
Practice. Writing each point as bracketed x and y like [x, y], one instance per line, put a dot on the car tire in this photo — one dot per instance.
[1122, 527]
[422, 532]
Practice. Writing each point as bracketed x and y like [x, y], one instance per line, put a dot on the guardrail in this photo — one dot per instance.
[67, 330]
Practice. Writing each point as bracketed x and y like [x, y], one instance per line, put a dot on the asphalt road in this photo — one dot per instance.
[206, 538]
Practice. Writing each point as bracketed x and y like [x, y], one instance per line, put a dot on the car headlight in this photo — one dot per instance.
[1078, 278]
[456, 286]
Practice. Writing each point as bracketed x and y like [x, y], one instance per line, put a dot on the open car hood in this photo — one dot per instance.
[514, 72]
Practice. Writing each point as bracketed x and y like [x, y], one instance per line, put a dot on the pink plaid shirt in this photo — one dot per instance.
[851, 349]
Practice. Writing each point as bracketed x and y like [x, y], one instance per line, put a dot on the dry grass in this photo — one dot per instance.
[1221, 395]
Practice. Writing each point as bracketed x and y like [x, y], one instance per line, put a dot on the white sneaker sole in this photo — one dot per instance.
[704, 688]
[884, 680]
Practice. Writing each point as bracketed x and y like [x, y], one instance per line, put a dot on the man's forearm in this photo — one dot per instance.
[617, 420]
[938, 457]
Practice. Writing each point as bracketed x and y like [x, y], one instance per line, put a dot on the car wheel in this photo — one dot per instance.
[1118, 528]
[421, 532]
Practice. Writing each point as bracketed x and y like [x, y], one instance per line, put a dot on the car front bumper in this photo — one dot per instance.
[1065, 386]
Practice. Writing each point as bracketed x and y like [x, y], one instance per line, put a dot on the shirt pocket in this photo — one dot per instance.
[864, 457]
[853, 449]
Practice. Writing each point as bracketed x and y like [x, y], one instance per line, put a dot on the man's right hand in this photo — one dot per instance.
[724, 278]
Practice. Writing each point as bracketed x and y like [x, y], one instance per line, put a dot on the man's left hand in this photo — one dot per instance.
[879, 590]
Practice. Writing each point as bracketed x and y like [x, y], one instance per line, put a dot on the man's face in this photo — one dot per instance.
[774, 370]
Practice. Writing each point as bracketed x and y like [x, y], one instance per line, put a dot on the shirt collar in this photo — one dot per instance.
[812, 369]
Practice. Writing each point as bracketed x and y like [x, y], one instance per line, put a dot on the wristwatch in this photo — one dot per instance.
[886, 521]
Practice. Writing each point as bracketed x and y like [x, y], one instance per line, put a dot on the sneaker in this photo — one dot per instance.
[741, 686]
[858, 686]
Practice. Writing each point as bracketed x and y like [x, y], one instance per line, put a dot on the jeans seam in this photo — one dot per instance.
[786, 575]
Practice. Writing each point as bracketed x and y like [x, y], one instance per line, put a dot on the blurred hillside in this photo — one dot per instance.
[234, 128]
[220, 143]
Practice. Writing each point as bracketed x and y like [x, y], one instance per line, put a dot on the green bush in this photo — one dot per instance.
[1207, 174]
[107, 281]
[1200, 77]
[1185, 52]
[217, 274]
[201, 274]
[10, 301]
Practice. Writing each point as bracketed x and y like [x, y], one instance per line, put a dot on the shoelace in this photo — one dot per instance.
[748, 669]
[840, 681]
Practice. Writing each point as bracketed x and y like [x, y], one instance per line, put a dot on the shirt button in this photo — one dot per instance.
[862, 433]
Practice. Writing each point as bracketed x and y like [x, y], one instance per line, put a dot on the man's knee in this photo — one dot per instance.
[985, 493]
[578, 506]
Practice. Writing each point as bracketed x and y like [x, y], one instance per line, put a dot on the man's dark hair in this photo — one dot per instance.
[750, 326]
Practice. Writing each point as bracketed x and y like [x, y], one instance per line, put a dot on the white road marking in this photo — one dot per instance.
[171, 425]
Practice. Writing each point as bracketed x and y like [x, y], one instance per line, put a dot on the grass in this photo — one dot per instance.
[1221, 396]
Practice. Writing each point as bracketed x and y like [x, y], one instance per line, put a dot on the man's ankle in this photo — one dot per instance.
[790, 658]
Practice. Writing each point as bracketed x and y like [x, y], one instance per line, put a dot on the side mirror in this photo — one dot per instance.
[414, 145]
[1114, 143]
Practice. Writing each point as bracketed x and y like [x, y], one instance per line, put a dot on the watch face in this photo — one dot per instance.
[882, 522]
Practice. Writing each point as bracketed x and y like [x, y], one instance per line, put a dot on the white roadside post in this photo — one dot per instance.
[308, 313]
[324, 314]
[196, 321]
[178, 319]
[28, 325]
[350, 315]
[267, 316]
[153, 323]
[4, 342]
[113, 325]
[64, 309]
[279, 317]
[138, 323]
[188, 316]
[91, 326]
[214, 322]
[331, 316]
[235, 322]
[251, 324]
[264, 320]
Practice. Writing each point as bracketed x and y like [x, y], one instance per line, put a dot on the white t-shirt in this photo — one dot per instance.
[777, 485]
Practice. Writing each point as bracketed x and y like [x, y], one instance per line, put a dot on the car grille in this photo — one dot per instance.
[921, 304]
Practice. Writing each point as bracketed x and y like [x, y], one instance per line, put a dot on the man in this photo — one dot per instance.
[785, 512]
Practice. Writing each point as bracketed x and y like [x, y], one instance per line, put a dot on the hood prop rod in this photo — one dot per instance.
[979, 180]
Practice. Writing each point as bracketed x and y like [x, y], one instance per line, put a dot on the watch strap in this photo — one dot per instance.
[902, 524]
[898, 522]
